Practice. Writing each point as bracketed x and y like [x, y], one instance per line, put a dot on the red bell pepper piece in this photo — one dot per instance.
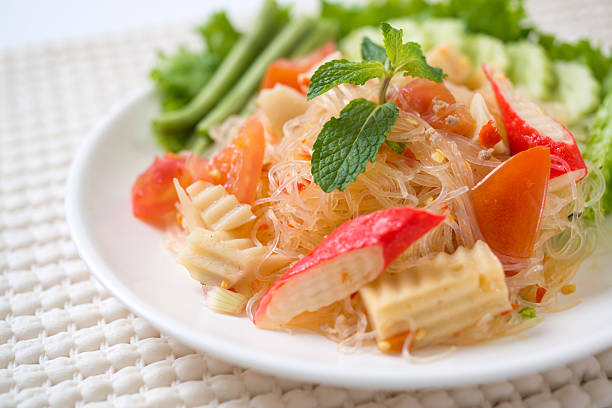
[489, 135]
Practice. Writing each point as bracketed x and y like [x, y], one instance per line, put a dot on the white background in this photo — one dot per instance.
[29, 22]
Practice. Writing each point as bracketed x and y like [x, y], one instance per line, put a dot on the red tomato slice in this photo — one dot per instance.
[286, 71]
[509, 201]
[283, 71]
[153, 193]
[318, 55]
[436, 105]
[238, 166]
[419, 94]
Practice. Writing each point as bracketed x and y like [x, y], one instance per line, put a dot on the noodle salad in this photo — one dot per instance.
[406, 196]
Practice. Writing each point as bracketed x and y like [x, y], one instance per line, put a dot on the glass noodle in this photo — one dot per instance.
[293, 215]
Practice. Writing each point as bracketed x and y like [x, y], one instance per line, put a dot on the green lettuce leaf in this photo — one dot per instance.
[504, 19]
[372, 13]
[218, 34]
[179, 77]
[599, 149]
[583, 51]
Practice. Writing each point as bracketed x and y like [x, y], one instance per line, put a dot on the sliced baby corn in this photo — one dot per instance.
[214, 256]
[439, 297]
[219, 210]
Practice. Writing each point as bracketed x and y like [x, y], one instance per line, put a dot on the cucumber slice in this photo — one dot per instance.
[577, 89]
[481, 48]
[531, 69]
[436, 31]
[350, 46]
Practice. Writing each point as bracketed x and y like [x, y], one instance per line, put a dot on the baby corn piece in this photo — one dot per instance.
[439, 297]
[218, 209]
[214, 256]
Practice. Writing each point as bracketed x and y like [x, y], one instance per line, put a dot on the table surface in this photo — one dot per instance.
[65, 341]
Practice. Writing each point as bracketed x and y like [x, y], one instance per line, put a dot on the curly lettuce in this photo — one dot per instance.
[179, 77]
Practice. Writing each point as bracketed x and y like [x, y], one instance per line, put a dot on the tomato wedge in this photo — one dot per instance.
[238, 166]
[508, 203]
[286, 70]
[153, 193]
[436, 105]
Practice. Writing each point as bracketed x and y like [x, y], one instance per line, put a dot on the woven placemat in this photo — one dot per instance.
[65, 341]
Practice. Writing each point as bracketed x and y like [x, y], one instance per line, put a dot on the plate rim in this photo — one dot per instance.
[281, 367]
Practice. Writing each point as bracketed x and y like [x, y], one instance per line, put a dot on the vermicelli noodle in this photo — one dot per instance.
[437, 175]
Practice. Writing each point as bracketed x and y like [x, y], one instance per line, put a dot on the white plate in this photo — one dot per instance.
[128, 257]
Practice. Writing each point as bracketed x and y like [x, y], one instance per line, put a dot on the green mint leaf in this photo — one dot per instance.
[370, 51]
[414, 64]
[336, 72]
[408, 57]
[527, 312]
[397, 147]
[393, 43]
[347, 143]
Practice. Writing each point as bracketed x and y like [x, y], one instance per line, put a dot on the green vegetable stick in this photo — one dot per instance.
[236, 62]
[239, 94]
[324, 31]
[599, 149]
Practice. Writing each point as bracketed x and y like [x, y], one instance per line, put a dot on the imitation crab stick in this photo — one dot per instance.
[528, 126]
[354, 254]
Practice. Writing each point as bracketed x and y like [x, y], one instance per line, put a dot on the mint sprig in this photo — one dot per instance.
[370, 51]
[346, 144]
[408, 57]
[336, 72]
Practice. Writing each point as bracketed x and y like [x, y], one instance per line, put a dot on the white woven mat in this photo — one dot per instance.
[64, 341]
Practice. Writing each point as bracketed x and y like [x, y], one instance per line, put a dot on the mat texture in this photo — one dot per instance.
[65, 341]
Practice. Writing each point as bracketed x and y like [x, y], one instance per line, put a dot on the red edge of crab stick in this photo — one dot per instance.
[528, 126]
[350, 257]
